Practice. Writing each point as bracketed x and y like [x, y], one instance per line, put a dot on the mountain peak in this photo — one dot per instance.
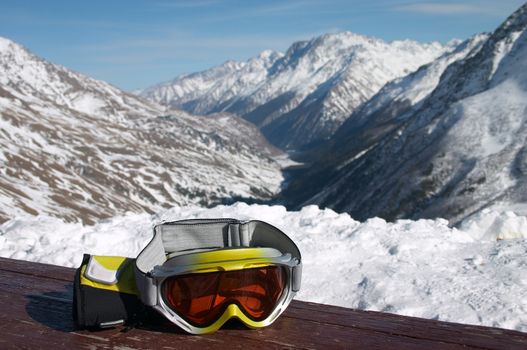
[346, 37]
[331, 41]
[8, 48]
[266, 54]
[232, 64]
[517, 18]
[312, 88]
[5, 44]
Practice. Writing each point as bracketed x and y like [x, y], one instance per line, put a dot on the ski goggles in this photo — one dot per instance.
[201, 273]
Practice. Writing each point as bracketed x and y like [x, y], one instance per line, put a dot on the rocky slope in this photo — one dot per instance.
[303, 96]
[80, 149]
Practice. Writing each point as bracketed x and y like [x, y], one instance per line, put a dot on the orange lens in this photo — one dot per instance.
[201, 298]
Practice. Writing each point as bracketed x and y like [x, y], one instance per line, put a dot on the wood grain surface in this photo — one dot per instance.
[35, 312]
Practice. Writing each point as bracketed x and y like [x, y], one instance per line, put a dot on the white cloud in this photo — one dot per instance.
[446, 8]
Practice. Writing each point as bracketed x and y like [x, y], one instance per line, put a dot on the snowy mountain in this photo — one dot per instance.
[304, 95]
[80, 149]
[426, 149]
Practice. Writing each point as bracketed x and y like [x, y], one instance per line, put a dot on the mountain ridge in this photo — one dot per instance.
[80, 149]
[304, 95]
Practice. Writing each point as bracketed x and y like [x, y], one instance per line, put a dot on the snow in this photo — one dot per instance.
[492, 225]
[504, 109]
[4, 43]
[88, 103]
[4, 102]
[502, 49]
[415, 87]
[476, 274]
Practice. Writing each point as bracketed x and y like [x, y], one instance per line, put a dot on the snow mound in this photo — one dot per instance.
[493, 225]
[476, 274]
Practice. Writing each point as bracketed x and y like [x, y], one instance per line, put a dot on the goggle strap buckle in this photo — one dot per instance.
[238, 235]
[297, 277]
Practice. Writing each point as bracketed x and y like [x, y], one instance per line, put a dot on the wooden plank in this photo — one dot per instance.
[49, 304]
[470, 335]
[37, 269]
[43, 320]
[36, 299]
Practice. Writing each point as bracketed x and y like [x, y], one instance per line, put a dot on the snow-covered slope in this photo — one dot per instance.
[477, 274]
[460, 149]
[32, 79]
[408, 92]
[304, 95]
[208, 91]
[80, 149]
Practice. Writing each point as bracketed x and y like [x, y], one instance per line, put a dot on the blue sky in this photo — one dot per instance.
[133, 44]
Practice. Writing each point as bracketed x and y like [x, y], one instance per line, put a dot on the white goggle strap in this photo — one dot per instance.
[185, 236]
[181, 236]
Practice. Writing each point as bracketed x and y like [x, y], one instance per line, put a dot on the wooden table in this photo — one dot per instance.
[35, 312]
